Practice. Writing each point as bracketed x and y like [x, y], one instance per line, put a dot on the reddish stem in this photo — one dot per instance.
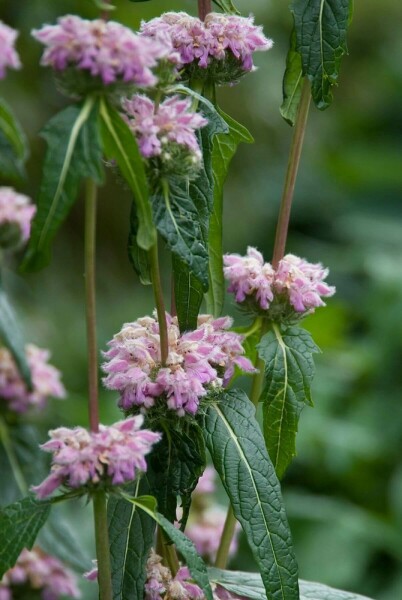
[204, 8]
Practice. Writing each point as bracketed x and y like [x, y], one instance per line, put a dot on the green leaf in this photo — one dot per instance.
[227, 6]
[20, 524]
[250, 585]
[137, 256]
[74, 153]
[11, 336]
[56, 538]
[131, 534]
[188, 295]
[223, 150]
[120, 145]
[174, 469]
[289, 371]
[238, 451]
[13, 145]
[292, 83]
[321, 28]
[185, 546]
[181, 216]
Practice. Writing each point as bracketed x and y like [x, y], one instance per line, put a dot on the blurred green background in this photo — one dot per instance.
[344, 490]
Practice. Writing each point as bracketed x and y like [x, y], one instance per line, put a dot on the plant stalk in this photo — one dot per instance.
[204, 8]
[12, 458]
[159, 301]
[102, 546]
[99, 498]
[90, 295]
[226, 540]
[291, 174]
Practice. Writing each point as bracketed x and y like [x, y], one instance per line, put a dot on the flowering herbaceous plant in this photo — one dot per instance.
[144, 105]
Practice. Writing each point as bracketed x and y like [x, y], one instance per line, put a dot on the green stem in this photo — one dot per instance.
[226, 540]
[258, 378]
[102, 546]
[90, 290]
[291, 174]
[99, 498]
[167, 552]
[159, 301]
[12, 458]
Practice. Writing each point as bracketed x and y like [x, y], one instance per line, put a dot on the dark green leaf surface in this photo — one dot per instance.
[181, 216]
[292, 83]
[138, 257]
[175, 467]
[223, 150]
[120, 145]
[131, 534]
[11, 336]
[185, 546]
[20, 524]
[238, 451]
[74, 152]
[188, 295]
[289, 371]
[250, 585]
[321, 28]
[13, 145]
[227, 6]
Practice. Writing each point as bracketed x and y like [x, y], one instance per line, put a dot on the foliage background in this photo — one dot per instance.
[343, 492]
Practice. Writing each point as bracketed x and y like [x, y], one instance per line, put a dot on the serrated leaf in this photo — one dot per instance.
[137, 256]
[120, 145]
[174, 469]
[56, 538]
[185, 546]
[11, 336]
[74, 153]
[227, 6]
[13, 145]
[131, 534]
[238, 451]
[250, 586]
[20, 524]
[289, 371]
[292, 83]
[321, 28]
[223, 149]
[188, 295]
[181, 217]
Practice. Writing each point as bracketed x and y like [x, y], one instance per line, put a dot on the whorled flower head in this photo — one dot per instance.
[8, 55]
[295, 284]
[197, 361]
[110, 457]
[45, 380]
[220, 48]
[166, 132]
[107, 51]
[38, 573]
[16, 214]
[161, 584]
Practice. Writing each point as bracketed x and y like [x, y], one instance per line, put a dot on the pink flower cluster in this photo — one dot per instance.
[8, 55]
[219, 39]
[104, 49]
[173, 122]
[16, 210]
[45, 380]
[36, 572]
[197, 360]
[207, 520]
[296, 281]
[160, 583]
[110, 456]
